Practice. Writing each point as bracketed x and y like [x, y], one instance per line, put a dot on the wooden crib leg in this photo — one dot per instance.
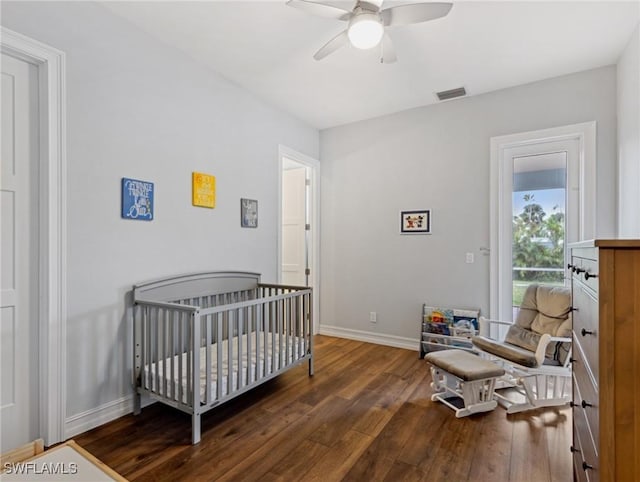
[195, 428]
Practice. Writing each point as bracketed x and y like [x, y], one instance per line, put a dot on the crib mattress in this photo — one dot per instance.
[259, 366]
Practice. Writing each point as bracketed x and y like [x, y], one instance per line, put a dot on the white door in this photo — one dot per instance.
[294, 208]
[19, 408]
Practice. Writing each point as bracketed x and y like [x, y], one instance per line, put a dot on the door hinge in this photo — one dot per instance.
[307, 227]
[307, 182]
[307, 271]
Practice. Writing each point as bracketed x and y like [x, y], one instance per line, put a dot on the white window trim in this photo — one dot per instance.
[53, 227]
[585, 134]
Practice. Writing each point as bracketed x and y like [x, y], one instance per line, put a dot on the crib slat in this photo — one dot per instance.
[281, 328]
[180, 351]
[145, 348]
[207, 337]
[240, 323]
[154, 345]
[172, 352]
[188, 345]
[299, 326]
[229, 340]
[250, 320]
[288, 340]
[164, 352]
[219, 356]
[273, 312]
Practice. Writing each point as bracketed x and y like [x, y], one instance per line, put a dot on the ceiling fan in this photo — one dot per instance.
[367, 23]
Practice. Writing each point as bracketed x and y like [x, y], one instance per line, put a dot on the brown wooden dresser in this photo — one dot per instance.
[606, 360]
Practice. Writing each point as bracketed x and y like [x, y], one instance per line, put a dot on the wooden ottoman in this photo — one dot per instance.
[463, 381]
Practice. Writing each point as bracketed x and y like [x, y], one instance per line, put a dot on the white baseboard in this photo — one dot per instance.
[90, 419]
[370, 337]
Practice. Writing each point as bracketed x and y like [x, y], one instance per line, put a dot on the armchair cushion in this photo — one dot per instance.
[518, 336]
[505, 350]
[546, 309]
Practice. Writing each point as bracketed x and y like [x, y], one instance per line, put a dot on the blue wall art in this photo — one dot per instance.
[137, 199]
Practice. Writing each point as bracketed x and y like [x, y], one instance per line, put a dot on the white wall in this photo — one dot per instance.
[628, 77]
[139, 109]
[436, 157]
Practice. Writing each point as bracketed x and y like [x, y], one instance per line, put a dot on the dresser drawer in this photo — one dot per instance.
[585, 392]
[585, 326]
[587, 469]
[586, 271]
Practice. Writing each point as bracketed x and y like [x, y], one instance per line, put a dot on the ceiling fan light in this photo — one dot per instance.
[365, 31]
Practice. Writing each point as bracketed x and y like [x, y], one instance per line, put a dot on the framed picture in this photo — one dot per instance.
[203, 188]
[248, 213]
[137, 199]
[415, 222]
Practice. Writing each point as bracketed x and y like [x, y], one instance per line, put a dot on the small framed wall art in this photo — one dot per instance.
[137, 199]
[203, 190]
[248, 213]
[415, 222]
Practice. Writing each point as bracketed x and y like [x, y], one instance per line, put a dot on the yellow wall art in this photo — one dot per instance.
[204, 190]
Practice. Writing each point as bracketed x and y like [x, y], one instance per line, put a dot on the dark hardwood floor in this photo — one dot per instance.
[366, 415]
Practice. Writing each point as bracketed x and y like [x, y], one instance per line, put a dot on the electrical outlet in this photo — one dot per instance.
[470, 258]
[373, 317]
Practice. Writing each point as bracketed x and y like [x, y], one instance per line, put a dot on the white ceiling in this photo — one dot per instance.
[267, 48]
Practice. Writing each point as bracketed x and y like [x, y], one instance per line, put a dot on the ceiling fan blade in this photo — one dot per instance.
[320, 9]
[332, 45]
[388, 53]
[414, 13]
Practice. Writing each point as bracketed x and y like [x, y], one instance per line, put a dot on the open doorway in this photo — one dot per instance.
[299, 229]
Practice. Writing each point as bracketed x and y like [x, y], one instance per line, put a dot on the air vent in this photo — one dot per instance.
[451, 94]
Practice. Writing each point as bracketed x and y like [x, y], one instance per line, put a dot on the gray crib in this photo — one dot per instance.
[202, 339]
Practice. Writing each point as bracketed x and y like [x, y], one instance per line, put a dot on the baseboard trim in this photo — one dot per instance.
[370, 337]
[90, 419]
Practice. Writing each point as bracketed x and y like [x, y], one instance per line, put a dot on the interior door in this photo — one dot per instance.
[19, 409]
[294, 207]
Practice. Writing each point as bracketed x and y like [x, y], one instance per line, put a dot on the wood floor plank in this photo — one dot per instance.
[334, 465]
[492, 448]
[529, 461]
[387, 446]
[305, 455]
[365, 415]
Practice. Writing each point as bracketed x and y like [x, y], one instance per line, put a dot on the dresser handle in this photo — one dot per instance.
[585, 332]
[573, 404]
[573, 308]
[580, 270]
[590, 275]
[572, 360]
[573, 449]
[586, 466]
[585, 404]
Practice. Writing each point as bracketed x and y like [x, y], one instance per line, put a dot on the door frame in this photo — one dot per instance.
[314, 256]
[585, 135]
[52, 269]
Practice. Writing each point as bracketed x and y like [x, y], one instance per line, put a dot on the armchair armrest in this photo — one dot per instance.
[485, 323]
